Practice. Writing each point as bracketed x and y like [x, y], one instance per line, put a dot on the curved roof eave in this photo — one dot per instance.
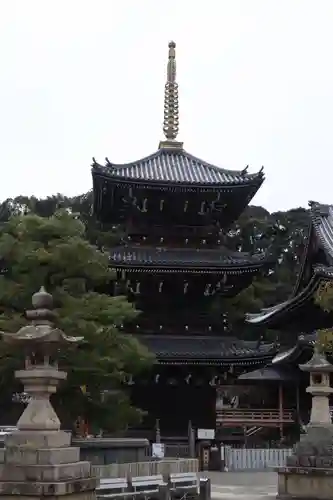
[320, 273]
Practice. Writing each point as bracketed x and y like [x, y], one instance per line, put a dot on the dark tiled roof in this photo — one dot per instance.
[322, 220]
[205, 349]
[136, 256]
[177, 167]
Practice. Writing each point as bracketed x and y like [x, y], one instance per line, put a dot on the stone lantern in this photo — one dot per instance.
[38, 459]
[319, 369]
[309, 470]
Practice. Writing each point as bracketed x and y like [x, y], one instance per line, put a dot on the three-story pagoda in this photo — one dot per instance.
[174, 210]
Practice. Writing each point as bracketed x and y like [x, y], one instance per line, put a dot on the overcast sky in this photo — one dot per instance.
[83, 78]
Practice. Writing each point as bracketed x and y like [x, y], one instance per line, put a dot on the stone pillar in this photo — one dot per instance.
[38, 459]
[205, 490]
[309, 471]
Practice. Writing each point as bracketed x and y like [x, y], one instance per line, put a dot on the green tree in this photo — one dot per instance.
[53, 252]
[98, 234]
[324, 298]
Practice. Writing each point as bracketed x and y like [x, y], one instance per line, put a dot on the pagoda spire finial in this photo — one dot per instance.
[171, 104]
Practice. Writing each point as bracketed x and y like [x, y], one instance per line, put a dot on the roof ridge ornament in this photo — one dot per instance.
[171, 104]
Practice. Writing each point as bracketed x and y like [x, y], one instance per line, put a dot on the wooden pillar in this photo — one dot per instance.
[191, 440]
[281, 410]
[157, 431]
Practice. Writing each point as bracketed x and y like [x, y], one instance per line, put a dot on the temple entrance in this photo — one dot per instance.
[175, 406]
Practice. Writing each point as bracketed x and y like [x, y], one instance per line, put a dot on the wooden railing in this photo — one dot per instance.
[264, 418]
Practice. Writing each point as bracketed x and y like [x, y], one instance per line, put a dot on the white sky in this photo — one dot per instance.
[83, 78]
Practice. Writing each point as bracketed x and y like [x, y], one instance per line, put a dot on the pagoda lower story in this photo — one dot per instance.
[196, 384]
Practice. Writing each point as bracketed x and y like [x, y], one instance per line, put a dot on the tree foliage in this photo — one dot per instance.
[324, 298]
[53, 251]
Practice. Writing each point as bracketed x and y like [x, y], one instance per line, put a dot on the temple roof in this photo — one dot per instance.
[204, 260]
[322, 221]
[178, 167]
[314, 271]
[206, 349]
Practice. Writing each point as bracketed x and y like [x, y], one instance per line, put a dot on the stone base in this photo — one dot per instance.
[38, 439]
[38, 464]
[315, 448]
[81, 488]
[318, 440]
[75, 496]
[305, 483]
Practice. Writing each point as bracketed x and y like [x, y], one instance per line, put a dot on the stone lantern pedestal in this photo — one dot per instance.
[38, 459]
[309, 471]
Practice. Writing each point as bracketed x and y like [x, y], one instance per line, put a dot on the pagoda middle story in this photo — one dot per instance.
[174, 210]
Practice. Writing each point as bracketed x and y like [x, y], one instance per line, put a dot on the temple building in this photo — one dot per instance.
[174, 210]
[300, 314]
[298, 318]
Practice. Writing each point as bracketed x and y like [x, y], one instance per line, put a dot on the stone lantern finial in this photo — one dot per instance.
[42, 299]
[43, 313]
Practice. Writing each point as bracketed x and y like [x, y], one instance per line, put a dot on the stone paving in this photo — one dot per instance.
[243, 485]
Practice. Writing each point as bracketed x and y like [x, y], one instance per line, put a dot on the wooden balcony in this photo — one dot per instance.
[263, 418]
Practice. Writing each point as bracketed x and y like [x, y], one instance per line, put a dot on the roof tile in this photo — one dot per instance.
[177, 166]
[219, 258]
[204, 347]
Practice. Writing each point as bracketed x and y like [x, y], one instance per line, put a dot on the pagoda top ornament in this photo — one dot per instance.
[171, 104]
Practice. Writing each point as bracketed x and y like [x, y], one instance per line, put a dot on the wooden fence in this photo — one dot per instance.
[152, 468]
[255, 458]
